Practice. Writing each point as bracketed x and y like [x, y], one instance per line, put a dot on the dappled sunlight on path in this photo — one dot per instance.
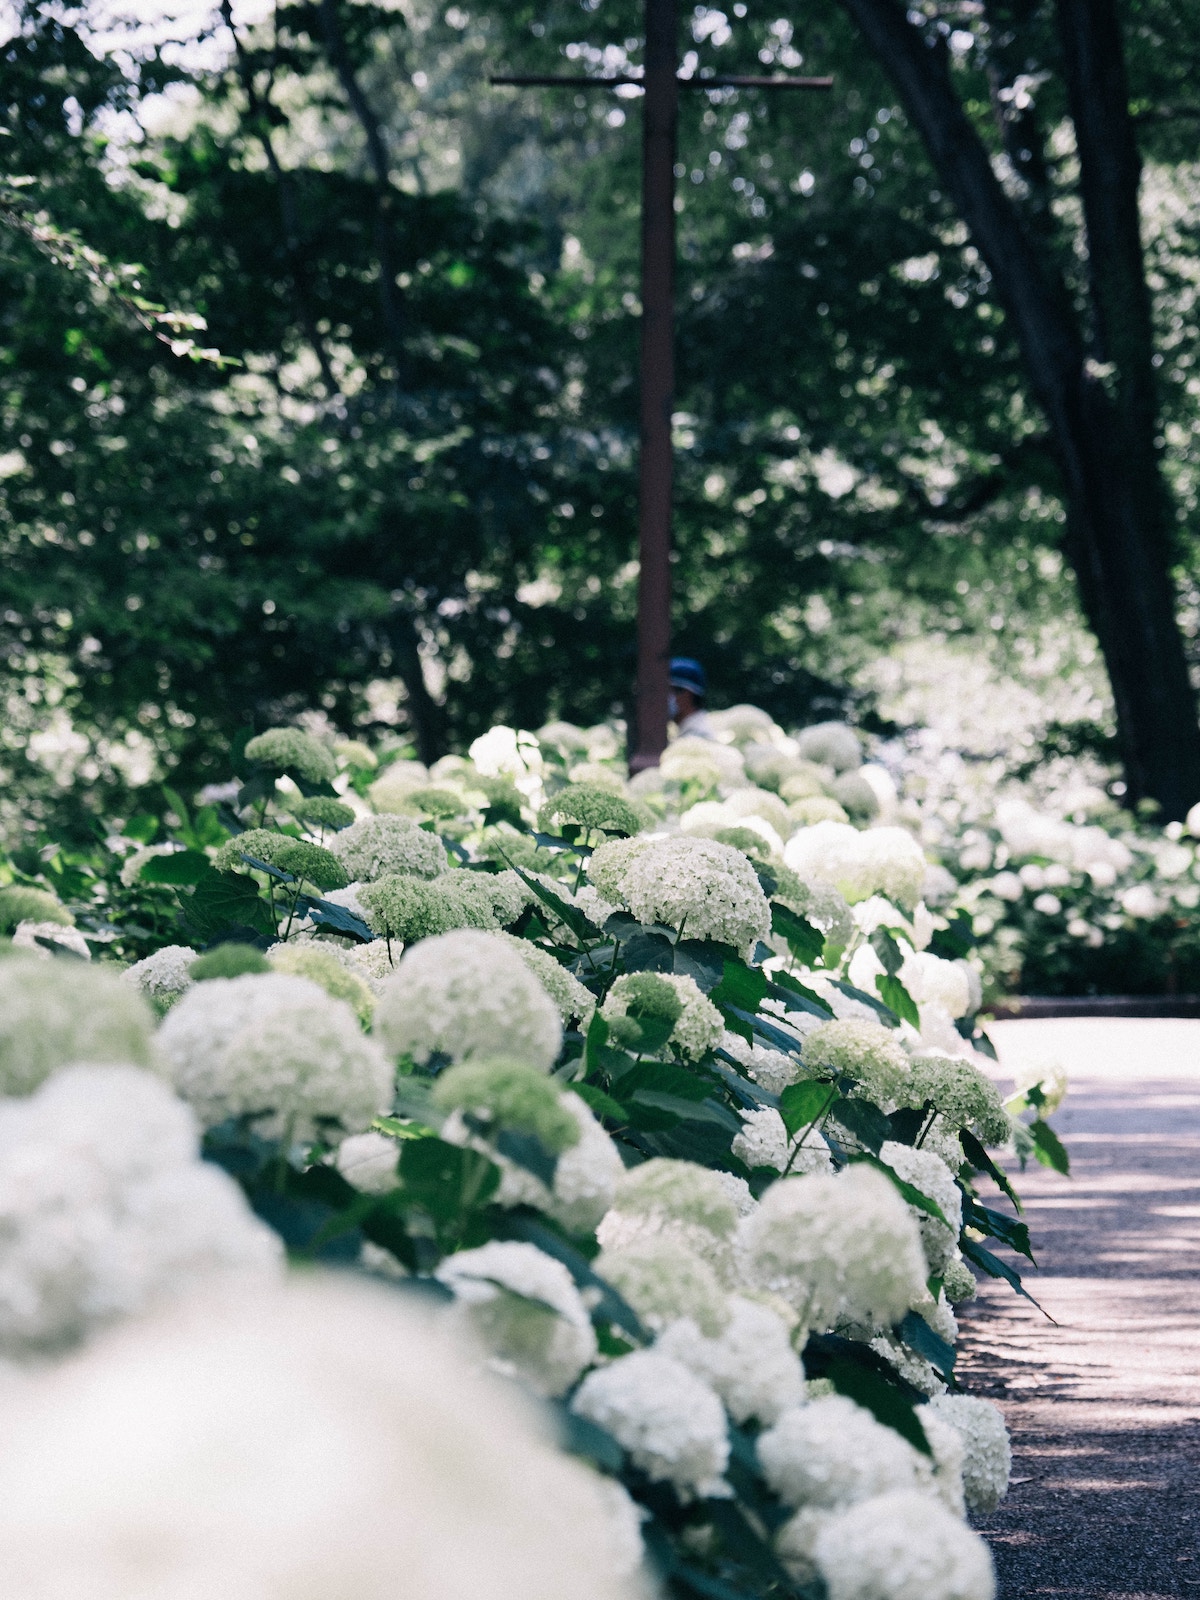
[1104, 1404]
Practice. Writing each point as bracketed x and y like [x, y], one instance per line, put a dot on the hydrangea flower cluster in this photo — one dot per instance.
[467, 994]
[885, 861]
[380, 846]
[706, 889]
[835, 1248]
[697, 1022]
[52, 1015]
[309, 862]
[163, 976]
[293, 750]
[669, 1420]
[105, 1208]
[864, 1051]
[278, 1051]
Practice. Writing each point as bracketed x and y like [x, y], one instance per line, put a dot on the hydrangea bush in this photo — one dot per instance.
[669, 1092]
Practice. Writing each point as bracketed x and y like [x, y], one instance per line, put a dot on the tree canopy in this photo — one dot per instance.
[405, 490]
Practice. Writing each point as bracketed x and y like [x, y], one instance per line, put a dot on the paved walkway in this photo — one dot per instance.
[1104, 1408]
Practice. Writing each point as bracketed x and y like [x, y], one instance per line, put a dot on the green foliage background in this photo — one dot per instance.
[439, 494]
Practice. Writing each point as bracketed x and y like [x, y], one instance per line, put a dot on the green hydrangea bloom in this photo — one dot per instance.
[310, 862]
[323, 965]
[435, 802]
[291, 750]
[747, 841]
[354, 754]
[663, 1280]
[53, 1013]
[960, 1094]
[697, 1024]
[506, 845]
[571, 999]
[819, 903]
[646, 994]
[609, 863]
[229, 961]
[591, 806]
[322, 811]
[503, 797]
[958, 1281]
[19, 903]
[509, 1095]
[864, 1051]
[400, 907]
[681, 1190]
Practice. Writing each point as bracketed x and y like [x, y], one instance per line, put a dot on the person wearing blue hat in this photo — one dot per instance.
[685, 704]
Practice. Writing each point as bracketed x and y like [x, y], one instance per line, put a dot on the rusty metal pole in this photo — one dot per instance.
[660, 107]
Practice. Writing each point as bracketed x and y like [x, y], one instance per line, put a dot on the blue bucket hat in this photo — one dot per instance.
[688, 674]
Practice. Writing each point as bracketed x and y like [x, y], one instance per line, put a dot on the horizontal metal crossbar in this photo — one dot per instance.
[612, 82]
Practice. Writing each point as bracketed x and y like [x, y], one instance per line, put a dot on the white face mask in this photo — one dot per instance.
[673, 707]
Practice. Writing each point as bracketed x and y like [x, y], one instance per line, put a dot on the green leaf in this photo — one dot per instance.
[891, 957]
[796, 995]
[886, 1403]
[580, 1437]
[337, 918]
[142, 828]
[897, 998]
[689, 1110]
[956, 941]
[916, 1333]
[183, 867]
[804, 941]
[884, 1012]
[865, 1121]
[223, 900]
[446, 1180]
[646, 951]
[741, 986]
[1049, 1148]
[995, 1268]
[997, 1226]
[982, 1162]
[802, 1103]
[571, 916]
[702, 960]
[665, 1077]
[602, 1104]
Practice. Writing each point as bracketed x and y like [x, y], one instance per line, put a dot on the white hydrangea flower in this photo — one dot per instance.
[585, 1176]
[960, 1094]
[944, 1474]
[467, 993]
[703, 760]
[885, 861]
[763, 1142]
[625, 1527]
[608, 865]
[865, 1051]
[374, 962]
[930, 1174]
[525, 1309]
[830, 744]
[832, 1452]
[164, 975]
[368, 1162]
[663, 1280]
[670, 1422]
[988, 1454]
[277, 1049]
[699, 1027]
[348, 898]
[751, 1365]
[571, 1000]
[679, 1201]
[312, 1441]
[932, 981]
[593, 904]
[106, 1208]
[912, 1368]
[373, 847]
[902, 1546]
[771, 1069]
[55, 1012]
[796, 1541]
[709, 890]
[835, 1247]
[29, 936]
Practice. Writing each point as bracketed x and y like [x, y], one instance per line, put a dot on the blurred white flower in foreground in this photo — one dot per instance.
[316, 1442]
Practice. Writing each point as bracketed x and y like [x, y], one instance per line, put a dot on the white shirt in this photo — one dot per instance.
[697, 726]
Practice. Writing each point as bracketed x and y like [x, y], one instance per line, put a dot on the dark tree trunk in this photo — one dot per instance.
[1096, 387]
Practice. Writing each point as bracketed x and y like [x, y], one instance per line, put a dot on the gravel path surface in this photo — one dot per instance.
[1104, 1406]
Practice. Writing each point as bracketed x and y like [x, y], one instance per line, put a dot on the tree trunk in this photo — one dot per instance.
[1101, 407]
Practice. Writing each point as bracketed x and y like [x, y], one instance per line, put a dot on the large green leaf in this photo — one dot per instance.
[224, 900]
[897, 998]
[891, 958]
[915, 1332]
[802, 1103]
[997, 1226]
[1048, 1148]
[885, 1400]
[183, 867]
[865, 1121]
[804, 941]
[982, 1162]
[741, 987]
